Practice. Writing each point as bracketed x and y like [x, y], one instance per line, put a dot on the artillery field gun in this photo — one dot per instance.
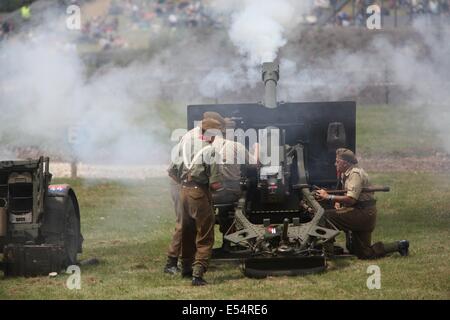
[39, 222]
[278, 226]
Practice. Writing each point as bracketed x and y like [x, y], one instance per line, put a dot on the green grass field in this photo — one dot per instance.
[397, 131]
[127, 225]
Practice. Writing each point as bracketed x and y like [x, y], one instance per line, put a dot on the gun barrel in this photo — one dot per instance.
[373, 189]
[270, 77]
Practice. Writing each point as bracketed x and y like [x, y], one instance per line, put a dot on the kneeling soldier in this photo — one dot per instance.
[356, 211]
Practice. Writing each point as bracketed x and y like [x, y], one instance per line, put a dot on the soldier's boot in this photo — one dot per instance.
[401, 247]
[171, 265]
[197, 276]
[186, 268]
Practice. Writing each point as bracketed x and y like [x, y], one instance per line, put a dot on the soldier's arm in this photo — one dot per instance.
[354, 185]
[354, 188]
[173, 170]
[215, 177]
[346, 200]
[173, 173]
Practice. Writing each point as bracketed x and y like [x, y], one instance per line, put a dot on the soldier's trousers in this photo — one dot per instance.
[175, 245]
[361, 223]
[197, 227]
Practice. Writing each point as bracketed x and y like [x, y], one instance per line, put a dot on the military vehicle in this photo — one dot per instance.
[278, 224]
[39, 222]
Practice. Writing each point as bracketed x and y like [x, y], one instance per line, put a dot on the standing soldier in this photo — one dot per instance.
[173, 253]
[356, 211]
[194, 167]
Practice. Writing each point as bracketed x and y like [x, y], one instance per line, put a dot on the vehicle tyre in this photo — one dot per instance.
[61, 226]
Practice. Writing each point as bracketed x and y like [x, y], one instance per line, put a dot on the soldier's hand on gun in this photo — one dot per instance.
[321, 195]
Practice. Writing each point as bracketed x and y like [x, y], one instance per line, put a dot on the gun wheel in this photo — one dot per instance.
[283, 266]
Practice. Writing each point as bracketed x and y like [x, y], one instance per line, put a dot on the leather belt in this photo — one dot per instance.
[192, 184]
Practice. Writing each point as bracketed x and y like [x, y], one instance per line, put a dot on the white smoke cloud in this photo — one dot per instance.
[260, 28]
[418, 66]
[47, 92]
[44, 87]
[407, 64]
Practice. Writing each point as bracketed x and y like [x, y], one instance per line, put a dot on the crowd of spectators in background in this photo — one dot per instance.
[103, 30]
[152, 15]
[126, 15]
[357, 15]
[6, 28]
[7, 24]
[173, 13]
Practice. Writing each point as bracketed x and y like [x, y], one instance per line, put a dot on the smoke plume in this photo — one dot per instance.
[119, 112]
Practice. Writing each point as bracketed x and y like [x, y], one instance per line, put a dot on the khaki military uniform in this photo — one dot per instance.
[230, 156]
[359, 220]
[175, 244]
[195, 168]
[175, 190]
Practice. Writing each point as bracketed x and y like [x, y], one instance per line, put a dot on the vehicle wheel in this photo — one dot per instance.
[61, 226]
[71, 234]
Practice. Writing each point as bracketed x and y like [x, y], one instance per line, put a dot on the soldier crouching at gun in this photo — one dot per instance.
[233, 160]
[356, 211]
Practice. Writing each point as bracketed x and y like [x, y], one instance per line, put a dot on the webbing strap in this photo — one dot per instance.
[197, 155]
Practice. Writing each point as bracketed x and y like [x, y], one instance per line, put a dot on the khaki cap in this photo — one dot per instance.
[211, 127]
[346, 155]
[216, 116]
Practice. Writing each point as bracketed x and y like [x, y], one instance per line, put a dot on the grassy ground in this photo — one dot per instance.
[128, 225]
[395, 131]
